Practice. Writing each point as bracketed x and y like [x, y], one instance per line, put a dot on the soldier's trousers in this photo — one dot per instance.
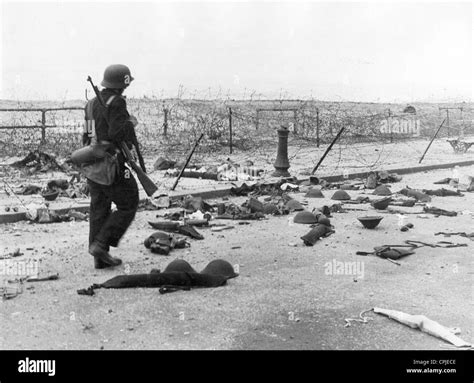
[106, 226]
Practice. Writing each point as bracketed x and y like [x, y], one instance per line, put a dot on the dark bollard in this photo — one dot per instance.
[281, 163]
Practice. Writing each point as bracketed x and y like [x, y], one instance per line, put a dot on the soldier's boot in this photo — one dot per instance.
[102, 258]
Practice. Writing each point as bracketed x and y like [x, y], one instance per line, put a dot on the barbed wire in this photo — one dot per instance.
[169, 127]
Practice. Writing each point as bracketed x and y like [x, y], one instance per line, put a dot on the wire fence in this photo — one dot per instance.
[169, 127]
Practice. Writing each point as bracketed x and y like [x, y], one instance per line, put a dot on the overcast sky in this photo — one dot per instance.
[364, 51]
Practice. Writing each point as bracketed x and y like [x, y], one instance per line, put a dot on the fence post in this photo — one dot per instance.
[317, 127]
[43, 126]
[230, 129]
[256, 120]
[165, 123]
[390, 124]
[295, 130]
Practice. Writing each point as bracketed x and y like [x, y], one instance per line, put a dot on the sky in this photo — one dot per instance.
[334, 51]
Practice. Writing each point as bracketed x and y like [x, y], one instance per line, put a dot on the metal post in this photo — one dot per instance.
[317, 127]
[43, 126]
[256, 120]
[432, 139]
[230, 129]
[295, 127]
[165, 123]
[447, 122]
[390, 124]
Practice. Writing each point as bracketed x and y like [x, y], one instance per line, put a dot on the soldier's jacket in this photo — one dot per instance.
[118, 128]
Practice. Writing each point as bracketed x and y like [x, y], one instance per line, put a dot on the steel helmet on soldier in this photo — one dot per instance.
[117, 76]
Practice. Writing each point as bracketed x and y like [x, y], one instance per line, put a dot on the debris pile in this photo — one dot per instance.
[38, 161]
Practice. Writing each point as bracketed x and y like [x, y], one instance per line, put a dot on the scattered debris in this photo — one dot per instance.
[443, 193]
[162, 243]
[289, 187]
[177, 227]
[361, 319]
[53, 277]
[89, 291]
[443, 181]
[58, 184]
[163, 164]
[16, 253]
[77, 215]
[424, 324]
[38, 161]
[392, 252]
[29, 190]
[201, 175]
[382, 190]
[192, 204]
[418, 195]
[436, 211]
[410, 202]
[462, 234]
[316, 233]
[10, 292]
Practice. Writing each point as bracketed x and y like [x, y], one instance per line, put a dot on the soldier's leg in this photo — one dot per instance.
[124, 194]
[100, 208]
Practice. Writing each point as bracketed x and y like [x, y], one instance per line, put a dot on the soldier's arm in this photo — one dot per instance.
[119, 125]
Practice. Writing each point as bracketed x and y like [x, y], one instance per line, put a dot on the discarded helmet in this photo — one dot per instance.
[305, 217]
[382, 190]
[382, 204]
[220, 267]
[179, 265]
[322, 219]
[341, 195]
[314, 193]
[370, 222]
[293, 205]
[50, 195]
[254, 205]
[117, 76]
[158, 237]
[270, 209]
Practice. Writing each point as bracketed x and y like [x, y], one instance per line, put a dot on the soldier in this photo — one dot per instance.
[112, 125]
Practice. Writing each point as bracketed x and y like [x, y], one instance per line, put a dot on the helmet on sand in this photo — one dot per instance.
[179, 265]
[117, 76]
[314, 193]
[305, 216]
[220, 267]
[341, 195]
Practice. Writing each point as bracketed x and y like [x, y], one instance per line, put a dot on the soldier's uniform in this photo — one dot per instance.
[112, 124]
